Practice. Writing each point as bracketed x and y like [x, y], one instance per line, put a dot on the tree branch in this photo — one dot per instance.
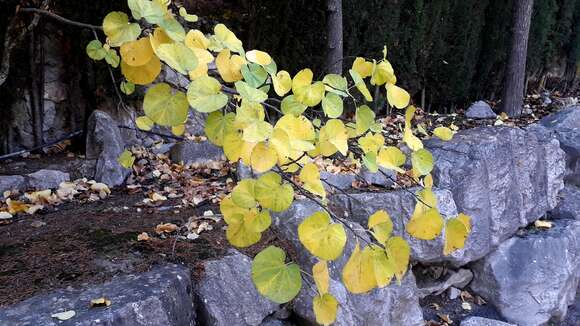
[59, 18]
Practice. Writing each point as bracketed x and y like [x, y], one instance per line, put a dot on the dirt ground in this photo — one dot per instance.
[78, 243]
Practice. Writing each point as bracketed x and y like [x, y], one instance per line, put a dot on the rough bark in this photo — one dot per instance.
[513, 91]
[334, 33]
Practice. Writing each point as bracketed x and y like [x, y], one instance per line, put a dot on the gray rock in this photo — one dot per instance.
[532, 279]
[159, 297]
[504, 178]
[341, 181]
[105, 144]
[480, 110]
[245, 172]
[565, 125]
[384, 179]
[46, 179]
[400, 205]
[11, 182]
[569, 205]
[391, 305]
[453, 293]
[192, 152]
[459, 280]
[227, 295]
[480, 321]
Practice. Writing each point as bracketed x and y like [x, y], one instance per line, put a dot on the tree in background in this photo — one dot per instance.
[334, 34]
[513, 90]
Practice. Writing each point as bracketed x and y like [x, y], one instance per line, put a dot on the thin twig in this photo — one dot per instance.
[152, 133]
[317, 202]
[59, 18]
[69, 136]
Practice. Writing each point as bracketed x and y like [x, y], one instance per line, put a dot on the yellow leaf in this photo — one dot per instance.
[257, 131]
[144, 123]
[383, 73]
[227, 38]
[233, 146]
[229, 68]
[362, 67]
[159, 37]
[282, 82]
[325, 308]
[228, 209]
[397, 96]
[264, 157]
[358, 273]
[305, 92]
[383, 267]
[136, 53]
[333, 136]
[198, 72]
[443, 133]
[456, 232]
[178, 130]
[240, 233]
[381, 225]
[399, 253]
[310, 176]
[426, 223]
[142, 75]
[323, 239]
[391, 157]
[371, 143]
[299, 130]
[196, 39]
[259, 57]
[321, 276]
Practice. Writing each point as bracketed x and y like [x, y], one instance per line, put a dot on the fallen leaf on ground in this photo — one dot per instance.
[445, 318]
[65, 315]
[37, 224]
[100, 302]
[100, 188]
[157, 197]
[5, 216]
[143, 237]
[33, 209]
[165, 228]
[15, 206]
[543, 224]
[466, 306]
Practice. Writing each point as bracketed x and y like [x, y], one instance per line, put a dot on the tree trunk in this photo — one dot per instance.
[334, 34]
[513, 91]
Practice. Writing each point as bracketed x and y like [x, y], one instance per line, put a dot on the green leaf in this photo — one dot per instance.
[173, 29]
[217, 126]
[177, 56]
[360, 85]
[152, 11]
[422, 161]
[127, 87]
[274, 279]
[112, 58]
[204, 94]
[126, 159]
[336, 84]
[332, 105]
[249, 93]
[254, 74]
[291, 106]
[95, 50]
[188, 17]
[272, 194]
[243, 194]
[118, 30]
[163, 107]
[365, 117]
